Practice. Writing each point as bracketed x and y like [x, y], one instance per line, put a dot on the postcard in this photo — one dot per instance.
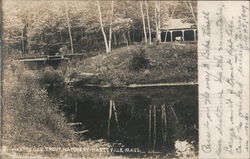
[124, 79]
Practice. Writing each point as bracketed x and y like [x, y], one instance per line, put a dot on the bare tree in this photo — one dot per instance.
[28, 33]
[114, 36]
[154, 127]
[157, 21]
[102, 28]
[149, 126]
[190, 7]
[69, 28]
[110, 27]
[149, 28]
[22, 40]
[110, 114]
[171, 16]
[116, 116]
[173, 11]
[143, 23]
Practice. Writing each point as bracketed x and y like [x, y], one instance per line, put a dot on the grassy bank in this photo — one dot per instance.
[32, 121]
[164, 63]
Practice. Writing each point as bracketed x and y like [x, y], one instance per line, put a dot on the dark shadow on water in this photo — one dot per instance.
[175, 117]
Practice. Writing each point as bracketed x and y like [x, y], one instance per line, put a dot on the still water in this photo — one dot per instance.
[151, 118]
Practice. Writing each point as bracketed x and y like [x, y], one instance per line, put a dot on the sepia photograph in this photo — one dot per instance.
[99, 79]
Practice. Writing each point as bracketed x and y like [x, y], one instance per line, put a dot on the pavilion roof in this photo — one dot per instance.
[175, 24]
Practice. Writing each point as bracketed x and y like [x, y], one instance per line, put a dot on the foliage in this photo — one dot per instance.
[165, 63]
[184, 149]
[33, 120]
[41, 26]
[138, 61]
[51, 76]
[30, 117]
[64, 50]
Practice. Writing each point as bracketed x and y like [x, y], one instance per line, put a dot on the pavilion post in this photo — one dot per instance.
[183, 35]
[171, 35]
[194, 34]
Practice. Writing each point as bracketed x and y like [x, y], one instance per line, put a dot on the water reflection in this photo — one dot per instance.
[147, 118]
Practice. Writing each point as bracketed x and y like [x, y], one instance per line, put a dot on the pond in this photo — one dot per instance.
[149, 118]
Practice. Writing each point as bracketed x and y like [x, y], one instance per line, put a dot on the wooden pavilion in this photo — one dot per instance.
[176, 30]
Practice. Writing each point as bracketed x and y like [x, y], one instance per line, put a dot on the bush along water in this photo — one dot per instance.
[139, 61]
[51, 77]
[32, 120]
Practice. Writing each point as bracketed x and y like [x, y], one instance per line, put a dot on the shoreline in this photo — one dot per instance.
[143, 85]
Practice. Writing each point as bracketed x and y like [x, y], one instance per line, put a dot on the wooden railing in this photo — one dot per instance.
[48, 57]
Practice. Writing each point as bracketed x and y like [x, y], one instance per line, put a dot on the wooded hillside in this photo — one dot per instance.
[52, 27]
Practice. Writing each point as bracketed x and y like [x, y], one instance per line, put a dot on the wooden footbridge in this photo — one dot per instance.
[37, 62]
[45, 58]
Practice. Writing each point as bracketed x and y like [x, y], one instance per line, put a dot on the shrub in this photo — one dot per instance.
[30, 116]
[184, 149]
[51, 76]
[64, 50]
[32, 119]
[139, 61]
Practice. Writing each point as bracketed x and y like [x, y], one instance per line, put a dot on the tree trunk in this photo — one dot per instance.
[133, 35]
[82, 40]
[29, 41]
[190, 7]
[110, 114]
[174, 114]
[157, 21]
[61, 37]
[110, 27]
[116, 116]
[172, 14]
[103, 32]
[44, 48]
[143, 23]
[162, 123]
[166, 121]
[52, 16]
[69, 28]
[154, 127]
[27, 32]
[22, 42]
[125, 38]
[117, 37]
[149, 125]
[82, 34]
[149, 28]
[129, 38]
[114, 38]
[76, 110]
[132, 112]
